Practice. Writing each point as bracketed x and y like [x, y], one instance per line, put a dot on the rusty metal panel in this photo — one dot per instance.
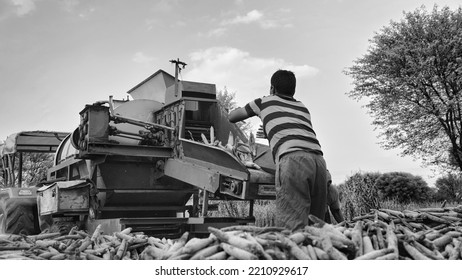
[213, 158]
[94, 121]
[64, 197]
[260, 186]
[193, 174]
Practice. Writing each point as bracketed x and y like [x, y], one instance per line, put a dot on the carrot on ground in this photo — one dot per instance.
[432, 254]
[413, 252]
[331, 251]
[238, 253]
[252, 246]
[311, 252]
[375, 254]
[367, 244]
[206, 252]
[222, 255]
[392, 239]
[357, 238]
[294, 250]
[442, 241]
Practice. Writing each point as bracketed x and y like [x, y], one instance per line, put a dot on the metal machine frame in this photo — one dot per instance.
[160, 180]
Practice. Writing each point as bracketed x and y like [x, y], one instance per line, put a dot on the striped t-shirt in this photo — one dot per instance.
[286, 123]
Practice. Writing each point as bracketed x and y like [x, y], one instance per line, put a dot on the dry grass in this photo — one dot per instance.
[359, 194]
[263, 211]
[393, 204]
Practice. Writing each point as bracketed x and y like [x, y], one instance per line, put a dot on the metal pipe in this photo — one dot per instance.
[20, 170]
[177, 63]
[205, 203]
[251, 207]
[11, 168]
[140, 123]
[129, 137]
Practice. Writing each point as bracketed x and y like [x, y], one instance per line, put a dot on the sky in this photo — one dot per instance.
[58, 55]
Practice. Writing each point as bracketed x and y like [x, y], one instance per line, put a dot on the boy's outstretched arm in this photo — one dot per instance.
[237, 115]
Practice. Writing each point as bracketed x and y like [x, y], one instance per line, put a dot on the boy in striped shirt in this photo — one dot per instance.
[301, 179]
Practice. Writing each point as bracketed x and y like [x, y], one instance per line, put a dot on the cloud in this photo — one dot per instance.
[165, 6]
[151, 23]
[69, 5]
[141, 58]
[217, 32]
[86, 13]
[250, 17]
[24, 7]
[258, 17]
[239, 71]
[179, 23]
[77, 7]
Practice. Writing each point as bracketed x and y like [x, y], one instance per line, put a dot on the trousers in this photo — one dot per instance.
[301, 188]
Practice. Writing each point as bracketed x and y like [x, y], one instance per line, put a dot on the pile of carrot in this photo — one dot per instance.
[423, 234]
[382, 234]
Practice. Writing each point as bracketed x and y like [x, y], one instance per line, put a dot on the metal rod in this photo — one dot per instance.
[251, 207]
[128, 137]
[118, 132]
[20, 170]
[12, 159]
[176, 79]
[144, 191]
[140, 123]
[145, 208]
[205, 203]
[177, 63]
[195, 205]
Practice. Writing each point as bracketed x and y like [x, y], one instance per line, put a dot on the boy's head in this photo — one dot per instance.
[284, 82]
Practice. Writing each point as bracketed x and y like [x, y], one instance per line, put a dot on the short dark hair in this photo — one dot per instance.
[284, 82]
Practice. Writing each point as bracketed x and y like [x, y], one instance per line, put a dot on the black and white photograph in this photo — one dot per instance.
[216, 139]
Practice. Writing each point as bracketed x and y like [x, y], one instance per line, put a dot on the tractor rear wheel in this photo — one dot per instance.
[18, 217]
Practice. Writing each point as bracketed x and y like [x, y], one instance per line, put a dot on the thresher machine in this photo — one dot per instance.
[154, 162]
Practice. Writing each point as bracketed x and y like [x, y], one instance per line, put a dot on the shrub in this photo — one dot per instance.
[233, 208]
[449, 187]
[403, 186]
[359, 194]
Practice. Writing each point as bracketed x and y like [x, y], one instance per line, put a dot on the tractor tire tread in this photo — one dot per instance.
[18, 219]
